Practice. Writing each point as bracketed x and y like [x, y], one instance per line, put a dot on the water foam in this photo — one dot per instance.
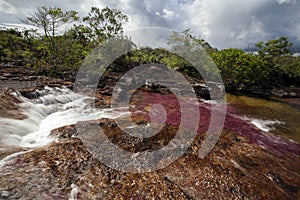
[51, 108]
[265, 125]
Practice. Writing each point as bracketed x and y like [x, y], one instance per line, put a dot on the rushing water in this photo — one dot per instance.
[56, 107]
[270, 116]
[52, 108]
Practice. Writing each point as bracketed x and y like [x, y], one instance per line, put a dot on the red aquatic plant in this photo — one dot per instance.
[144, 101]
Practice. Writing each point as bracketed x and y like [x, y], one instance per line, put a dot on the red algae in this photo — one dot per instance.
[144, 100]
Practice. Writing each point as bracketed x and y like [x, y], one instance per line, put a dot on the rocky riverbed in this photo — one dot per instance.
[235, 169]
[246, 163]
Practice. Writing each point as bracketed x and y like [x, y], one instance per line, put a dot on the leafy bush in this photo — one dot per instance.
[240, 70]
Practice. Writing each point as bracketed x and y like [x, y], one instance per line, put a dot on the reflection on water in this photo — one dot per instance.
[261, 110]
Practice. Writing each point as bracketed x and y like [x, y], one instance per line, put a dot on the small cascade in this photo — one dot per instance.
[46, 110]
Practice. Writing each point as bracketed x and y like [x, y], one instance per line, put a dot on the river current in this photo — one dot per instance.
[56, 107]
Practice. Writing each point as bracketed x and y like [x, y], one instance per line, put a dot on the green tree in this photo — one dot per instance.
[50, 19]
[290, 66]
[278, 54]
[16, 46]
[185, 39]
[277, 47]
[195, 50]
[106, 22]
[240, 70]
[81, 33]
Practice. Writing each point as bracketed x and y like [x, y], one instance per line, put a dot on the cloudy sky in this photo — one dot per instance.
[223, 23]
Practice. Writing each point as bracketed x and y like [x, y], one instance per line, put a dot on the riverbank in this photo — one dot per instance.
[245, 163]
[234, 169]
[10, 73]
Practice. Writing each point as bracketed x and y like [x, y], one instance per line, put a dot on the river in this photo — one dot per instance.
[57, 107]
[50, 109]
[272, 116]
[32, 169]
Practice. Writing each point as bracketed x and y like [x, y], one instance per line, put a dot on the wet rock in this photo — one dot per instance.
[5, 194]
[286, 92]
[244, 164]
[3, 78]
[8, 105]
[235, 169]
[202, 91]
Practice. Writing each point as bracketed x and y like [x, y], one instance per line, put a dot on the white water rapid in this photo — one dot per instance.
[52, 108]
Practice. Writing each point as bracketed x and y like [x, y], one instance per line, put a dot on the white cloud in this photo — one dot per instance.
[235, 23]
[6, 7]
[168, 14]
[223, 23]
[230, 23]
[285, 1]
[19, 26]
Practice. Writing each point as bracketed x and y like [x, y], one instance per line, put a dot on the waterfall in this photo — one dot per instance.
[46, 110]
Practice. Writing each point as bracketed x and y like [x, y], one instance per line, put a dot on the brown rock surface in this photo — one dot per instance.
[235, 169]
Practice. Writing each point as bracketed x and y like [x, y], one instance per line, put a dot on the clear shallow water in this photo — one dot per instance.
[271, 116]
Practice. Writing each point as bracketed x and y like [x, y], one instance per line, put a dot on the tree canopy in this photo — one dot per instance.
[106, 22]
[277, 47]
[50, 19]
[56, 51]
